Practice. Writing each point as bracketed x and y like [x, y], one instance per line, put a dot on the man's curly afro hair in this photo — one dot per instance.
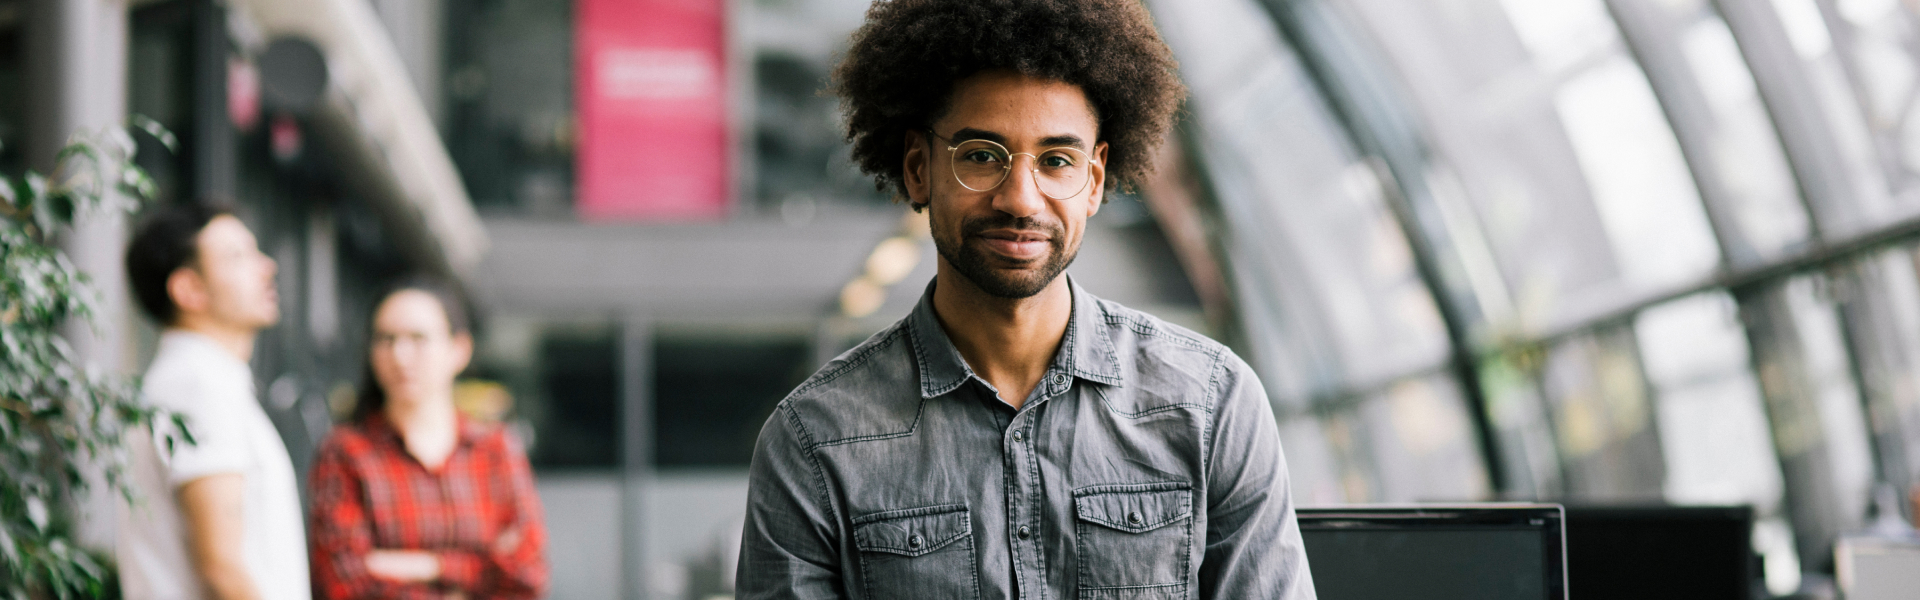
[900, 71]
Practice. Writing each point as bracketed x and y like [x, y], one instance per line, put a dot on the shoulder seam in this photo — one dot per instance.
[918, 410]
[858, 359]
[1133, 320]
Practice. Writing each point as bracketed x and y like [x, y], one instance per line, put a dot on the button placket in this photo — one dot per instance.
[1022, 489]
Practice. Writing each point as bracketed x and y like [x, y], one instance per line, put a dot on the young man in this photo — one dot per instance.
[218, 512]
[1016, 436]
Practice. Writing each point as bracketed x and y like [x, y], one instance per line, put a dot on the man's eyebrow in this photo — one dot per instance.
[1069, 140]
[1052, 141]
[969, 133]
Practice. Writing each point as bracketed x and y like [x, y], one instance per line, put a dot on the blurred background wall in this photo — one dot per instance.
[1588, 251]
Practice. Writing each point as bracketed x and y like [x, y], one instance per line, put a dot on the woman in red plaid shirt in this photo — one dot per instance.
[412, 500]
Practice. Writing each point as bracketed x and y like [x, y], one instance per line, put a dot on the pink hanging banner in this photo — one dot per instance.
[652, 100]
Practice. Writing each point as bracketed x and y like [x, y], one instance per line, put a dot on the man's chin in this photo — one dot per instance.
[1012, 284]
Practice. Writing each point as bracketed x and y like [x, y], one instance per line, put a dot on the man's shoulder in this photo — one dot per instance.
[1144, 337]
[183, 382]
[1150, 351]
[869, 392]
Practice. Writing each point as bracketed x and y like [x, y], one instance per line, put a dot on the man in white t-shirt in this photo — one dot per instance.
[217, 512]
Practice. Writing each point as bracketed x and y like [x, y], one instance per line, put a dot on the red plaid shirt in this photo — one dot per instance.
[479, 514]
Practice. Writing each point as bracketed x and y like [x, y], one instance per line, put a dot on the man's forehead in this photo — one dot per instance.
[1009, 107]
[225, 232]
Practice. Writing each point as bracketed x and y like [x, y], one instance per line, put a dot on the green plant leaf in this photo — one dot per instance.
[37, 512]
[155, 129]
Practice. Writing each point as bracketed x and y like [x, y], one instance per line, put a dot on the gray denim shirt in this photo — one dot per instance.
[1146, 464]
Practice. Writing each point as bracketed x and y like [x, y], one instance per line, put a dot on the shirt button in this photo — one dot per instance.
[915, 542]
[1133, 518]
[1025, 532]
[1019, 436]
[1059, 378]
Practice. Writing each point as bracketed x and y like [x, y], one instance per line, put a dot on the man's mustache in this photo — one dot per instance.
[1052, 230]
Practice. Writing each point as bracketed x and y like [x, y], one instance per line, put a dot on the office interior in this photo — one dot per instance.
[1617, 255]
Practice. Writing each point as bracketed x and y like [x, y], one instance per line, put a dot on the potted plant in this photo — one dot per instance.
[60, 420]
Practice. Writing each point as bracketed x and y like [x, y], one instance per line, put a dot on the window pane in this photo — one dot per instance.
[1881, 303]
[1313, 471]
[1813, 82]
[575, 410]
[1745, 150]
[713, 394]
[1568, 163]
[1814, 410]
[1712, 424]
[1881, 38]
[1598, 401]
[1524, 434]
[510, 120]
[1320, 264]
[1842, 422]
[1422, 442]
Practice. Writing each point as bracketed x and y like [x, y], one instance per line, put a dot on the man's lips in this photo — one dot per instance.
[1020, 245]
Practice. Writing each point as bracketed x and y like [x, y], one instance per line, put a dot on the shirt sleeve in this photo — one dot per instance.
[1253, 547]
[215, 438]
[515, 566]
[342, 531]
[787, 548]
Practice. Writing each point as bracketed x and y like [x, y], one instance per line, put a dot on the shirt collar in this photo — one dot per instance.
[1086, 351]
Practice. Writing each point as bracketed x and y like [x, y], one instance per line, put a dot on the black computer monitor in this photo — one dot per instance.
[1471, 552]
[1660, 552]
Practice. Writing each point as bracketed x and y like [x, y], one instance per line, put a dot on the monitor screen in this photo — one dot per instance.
[1660, 552]
[1436, 553]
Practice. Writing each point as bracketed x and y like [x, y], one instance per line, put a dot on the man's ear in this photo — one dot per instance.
[1098, 171]
[188, 290]
[914, 170]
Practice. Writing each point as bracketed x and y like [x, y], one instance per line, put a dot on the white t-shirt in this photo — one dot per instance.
[194, 376]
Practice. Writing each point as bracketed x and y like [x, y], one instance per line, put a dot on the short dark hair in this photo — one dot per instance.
[899, 72]
[166, 240]
[372, 399]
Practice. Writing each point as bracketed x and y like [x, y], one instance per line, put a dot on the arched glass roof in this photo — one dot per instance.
[1589, 250]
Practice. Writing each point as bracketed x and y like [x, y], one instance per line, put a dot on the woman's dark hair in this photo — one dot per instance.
[899, 72]
[166, 240]
[372, 399]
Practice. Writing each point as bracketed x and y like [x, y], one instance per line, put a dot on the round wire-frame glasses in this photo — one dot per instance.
[981, 165]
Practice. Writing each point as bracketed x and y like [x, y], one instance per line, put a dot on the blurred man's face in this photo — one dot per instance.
[231, 281]
[1012, 240]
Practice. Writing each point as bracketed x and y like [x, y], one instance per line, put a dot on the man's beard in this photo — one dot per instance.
[975, 265]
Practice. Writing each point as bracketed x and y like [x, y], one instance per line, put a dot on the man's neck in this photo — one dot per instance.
[1007, 341]
[237, 341]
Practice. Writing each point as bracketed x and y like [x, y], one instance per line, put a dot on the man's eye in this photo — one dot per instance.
[982, 156]
[1058, 161]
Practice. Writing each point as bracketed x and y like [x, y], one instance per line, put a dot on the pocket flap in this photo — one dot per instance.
[913, 531]
[1135, 508]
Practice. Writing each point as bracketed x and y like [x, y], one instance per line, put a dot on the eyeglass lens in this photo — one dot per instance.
[981, 165]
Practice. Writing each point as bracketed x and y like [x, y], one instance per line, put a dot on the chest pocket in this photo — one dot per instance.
[1134, 541]
[922, 553]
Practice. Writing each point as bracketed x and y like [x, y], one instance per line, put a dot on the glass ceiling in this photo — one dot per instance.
[1591, 250]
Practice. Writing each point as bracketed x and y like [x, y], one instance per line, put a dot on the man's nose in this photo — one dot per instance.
[1019, 195]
